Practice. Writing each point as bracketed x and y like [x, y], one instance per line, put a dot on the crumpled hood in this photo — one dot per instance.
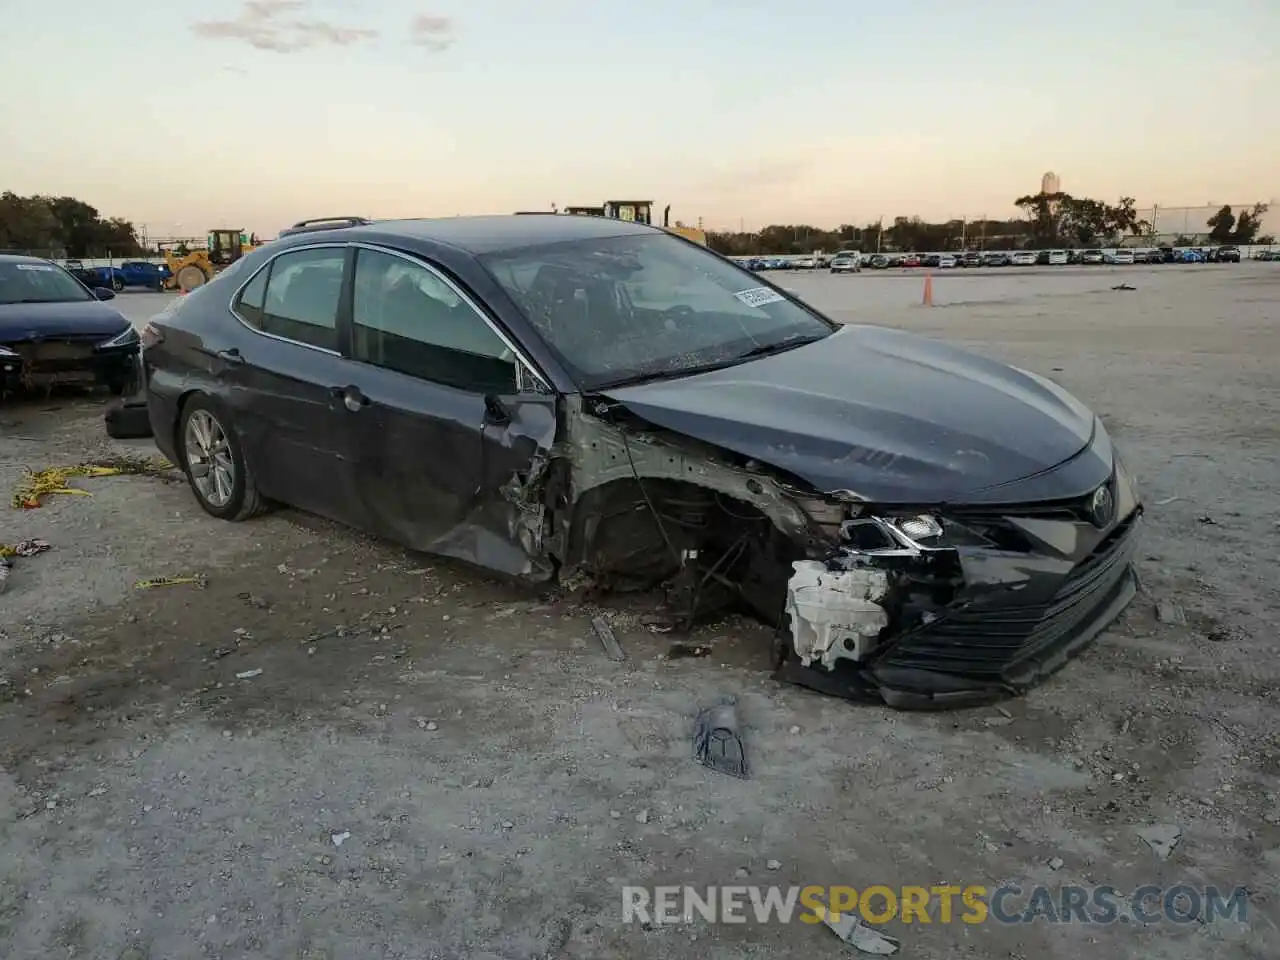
[31, 321]
[890, 416]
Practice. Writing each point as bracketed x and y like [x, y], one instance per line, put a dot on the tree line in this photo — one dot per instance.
[63, 226]
[1048, 220]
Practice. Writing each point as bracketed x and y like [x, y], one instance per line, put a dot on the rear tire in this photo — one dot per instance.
[116, 284]
[215, 464]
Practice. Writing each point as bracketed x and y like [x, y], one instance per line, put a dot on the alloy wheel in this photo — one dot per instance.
[209, 459]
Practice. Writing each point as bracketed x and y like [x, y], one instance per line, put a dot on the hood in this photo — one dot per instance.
[890, 416]
[33, 321]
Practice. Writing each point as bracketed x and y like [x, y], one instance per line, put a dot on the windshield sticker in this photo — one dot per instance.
[38, 267]
[759, 296]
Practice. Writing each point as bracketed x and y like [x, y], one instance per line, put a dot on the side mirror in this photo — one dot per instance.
[104, 293]
[495, 411]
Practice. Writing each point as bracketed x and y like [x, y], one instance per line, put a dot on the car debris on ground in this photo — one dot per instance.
[23, 548]
[851, 928]
[717, 744]
[196, 580]
[1161, 838]
[607, 639]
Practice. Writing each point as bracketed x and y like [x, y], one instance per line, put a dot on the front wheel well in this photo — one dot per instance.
[635, 533]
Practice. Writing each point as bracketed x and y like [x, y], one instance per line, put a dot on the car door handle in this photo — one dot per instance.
[351, 398]
[230, 356]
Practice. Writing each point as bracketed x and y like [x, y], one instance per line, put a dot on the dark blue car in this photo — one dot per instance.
[55, 330]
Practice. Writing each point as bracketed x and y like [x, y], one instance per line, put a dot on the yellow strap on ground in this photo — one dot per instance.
[36, 485]
[154, 582]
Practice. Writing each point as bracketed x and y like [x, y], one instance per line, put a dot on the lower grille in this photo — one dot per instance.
[54, 352]
[987, 641]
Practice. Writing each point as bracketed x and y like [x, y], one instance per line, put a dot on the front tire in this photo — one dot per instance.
[117, 284]
[215, 464]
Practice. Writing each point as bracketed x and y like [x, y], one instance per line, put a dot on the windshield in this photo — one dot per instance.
[39, 283]
[630, 308]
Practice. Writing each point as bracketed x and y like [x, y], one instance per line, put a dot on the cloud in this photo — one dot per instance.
[431, 32]
[276, 26]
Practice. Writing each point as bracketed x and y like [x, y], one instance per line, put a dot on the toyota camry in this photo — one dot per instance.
[558, 397]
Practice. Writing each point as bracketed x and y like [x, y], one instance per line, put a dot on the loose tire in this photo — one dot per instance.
[214, 462]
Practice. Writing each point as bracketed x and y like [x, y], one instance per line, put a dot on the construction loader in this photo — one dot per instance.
[639, 211]
[195, 268]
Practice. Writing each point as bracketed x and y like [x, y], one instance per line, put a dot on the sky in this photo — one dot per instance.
[186, 117]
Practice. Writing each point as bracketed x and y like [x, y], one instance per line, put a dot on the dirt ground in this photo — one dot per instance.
[433, 763]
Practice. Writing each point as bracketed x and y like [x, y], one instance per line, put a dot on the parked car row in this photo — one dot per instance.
[853, 261]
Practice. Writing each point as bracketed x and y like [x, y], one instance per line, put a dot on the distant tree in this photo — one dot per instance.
[1222, 225]
[1248, 224]
[48, 224]
[1265, 240]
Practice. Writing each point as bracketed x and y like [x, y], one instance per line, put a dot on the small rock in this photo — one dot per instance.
[774, 864]
[998, 721]
[642, 816]
[340, 838]
[1169, 612]
[615, 814]
[507, 825]
[795, 729]
[249, 674]
[1055, 863]
[742, 873]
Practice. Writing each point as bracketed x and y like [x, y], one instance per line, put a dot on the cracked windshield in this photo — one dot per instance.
[632, 308]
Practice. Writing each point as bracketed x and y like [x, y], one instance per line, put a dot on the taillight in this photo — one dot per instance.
[151, 335]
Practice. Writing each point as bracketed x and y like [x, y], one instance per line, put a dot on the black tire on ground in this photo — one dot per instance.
[245, 500]
[128, 421]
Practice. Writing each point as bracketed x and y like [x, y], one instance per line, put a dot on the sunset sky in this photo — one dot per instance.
[184, 117]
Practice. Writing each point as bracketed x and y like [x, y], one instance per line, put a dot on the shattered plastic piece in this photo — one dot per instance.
[850, 928]
[249, 674]
[340, 838]
[25, 548]
[1161, 838]
[1169, 612]
[835, 613]
[607, 639]
[717, 743]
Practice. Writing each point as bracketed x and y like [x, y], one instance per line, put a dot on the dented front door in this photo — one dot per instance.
[438, 468]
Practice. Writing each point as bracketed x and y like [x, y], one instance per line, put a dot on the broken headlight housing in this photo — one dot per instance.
[907, 532]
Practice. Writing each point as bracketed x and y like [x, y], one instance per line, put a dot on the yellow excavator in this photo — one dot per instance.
[639, 211]
[195, 268]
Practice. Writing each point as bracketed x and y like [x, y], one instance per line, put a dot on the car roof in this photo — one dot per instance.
[20, 258]
[487, 234]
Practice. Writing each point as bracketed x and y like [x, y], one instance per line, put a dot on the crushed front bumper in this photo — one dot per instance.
[977, 623]
[52, 362]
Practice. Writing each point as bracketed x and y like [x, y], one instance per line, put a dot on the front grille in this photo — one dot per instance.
[52, 351]
[985, 641]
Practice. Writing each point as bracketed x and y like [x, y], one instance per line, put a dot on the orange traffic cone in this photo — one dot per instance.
[928, 290]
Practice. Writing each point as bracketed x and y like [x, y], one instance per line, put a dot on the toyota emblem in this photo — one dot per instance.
[1102, 507]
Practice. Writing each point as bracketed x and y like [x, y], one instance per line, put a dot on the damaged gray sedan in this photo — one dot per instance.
[565, 397]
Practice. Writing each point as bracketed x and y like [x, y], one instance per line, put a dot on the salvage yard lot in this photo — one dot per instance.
[436, 763]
